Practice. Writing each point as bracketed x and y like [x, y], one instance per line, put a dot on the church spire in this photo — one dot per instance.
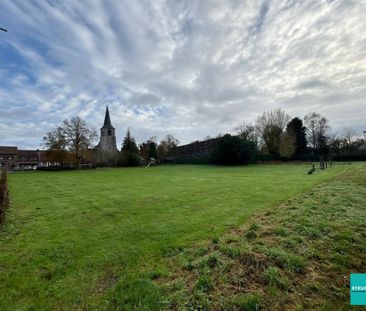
[107, 119]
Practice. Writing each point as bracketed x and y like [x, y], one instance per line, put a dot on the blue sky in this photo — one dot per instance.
[188, 68]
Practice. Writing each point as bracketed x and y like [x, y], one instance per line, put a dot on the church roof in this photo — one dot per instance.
[107, 119]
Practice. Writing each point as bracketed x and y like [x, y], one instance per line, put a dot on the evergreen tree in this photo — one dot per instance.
[129, 144]
[152, 151]
[295, 126]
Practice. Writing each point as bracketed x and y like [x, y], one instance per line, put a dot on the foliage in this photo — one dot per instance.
[129, 159]
[129, 144]
[287, 144]
[152, 151]
[55, 142]
[74, 137]
[4, 195]
[144, 150]
[232, 150]
[295, 126]
[270, 126]
[167, 147]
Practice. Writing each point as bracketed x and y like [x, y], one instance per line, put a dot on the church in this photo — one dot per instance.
[107, 152]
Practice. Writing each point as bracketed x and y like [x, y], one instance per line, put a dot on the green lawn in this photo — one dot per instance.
[70, 237]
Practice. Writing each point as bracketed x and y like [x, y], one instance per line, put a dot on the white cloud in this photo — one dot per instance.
[190, 68]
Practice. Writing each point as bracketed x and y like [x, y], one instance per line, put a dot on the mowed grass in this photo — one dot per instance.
[296, 256]
[76, 240]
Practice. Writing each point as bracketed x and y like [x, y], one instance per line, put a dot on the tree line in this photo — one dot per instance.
[273, 133]
[73, 142]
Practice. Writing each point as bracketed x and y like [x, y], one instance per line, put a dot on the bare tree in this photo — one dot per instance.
[348, 133]
[316, 129]
[270, 125]
[246, 131]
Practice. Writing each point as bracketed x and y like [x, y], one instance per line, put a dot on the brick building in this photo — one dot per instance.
[11, 157]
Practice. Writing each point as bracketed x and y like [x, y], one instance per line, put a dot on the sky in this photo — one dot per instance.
[187, 68]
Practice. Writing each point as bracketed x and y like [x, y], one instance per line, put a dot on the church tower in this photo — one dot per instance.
[107, 148]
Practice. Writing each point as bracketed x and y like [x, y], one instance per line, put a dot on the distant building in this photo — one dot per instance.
[107, 152]
[196, 152]
[11, 157]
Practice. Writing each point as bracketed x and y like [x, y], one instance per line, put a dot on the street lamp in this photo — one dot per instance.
[3, 29]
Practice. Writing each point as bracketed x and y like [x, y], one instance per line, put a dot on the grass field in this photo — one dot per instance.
[85, 240]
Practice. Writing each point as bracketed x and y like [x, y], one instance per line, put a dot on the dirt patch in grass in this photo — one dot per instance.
[298, 256]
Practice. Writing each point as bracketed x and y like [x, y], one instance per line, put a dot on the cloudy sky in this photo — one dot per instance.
[189, 68]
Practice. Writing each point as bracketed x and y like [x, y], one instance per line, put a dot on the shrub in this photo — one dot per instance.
[130, 159]
[232, 150]
[4, 198]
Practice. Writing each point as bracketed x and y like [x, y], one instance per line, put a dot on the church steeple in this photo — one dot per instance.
[107, 119]
[107, 148]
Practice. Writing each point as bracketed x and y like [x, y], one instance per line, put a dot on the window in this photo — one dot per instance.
[109, 132]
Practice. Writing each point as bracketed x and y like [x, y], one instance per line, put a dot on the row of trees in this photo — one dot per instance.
[274, 132]
[73, 140]
[133, 154]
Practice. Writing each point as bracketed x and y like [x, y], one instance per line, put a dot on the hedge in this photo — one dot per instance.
[4, 195]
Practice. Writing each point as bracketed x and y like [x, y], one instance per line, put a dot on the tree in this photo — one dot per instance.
[144, 151]
[287, 144]
[316, 128]
[348, 133]
[270, 126]
[73, 138]
[148, 149]
[79, 137]
[232, 150]
[130, 153]
[167, 146]
[295, 126]
[55, 142]
[152, 150]
[129, 144]
[246, 131]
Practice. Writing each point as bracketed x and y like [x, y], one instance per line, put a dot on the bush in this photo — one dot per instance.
[232, 150]
[130, 159]
[4, 195]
